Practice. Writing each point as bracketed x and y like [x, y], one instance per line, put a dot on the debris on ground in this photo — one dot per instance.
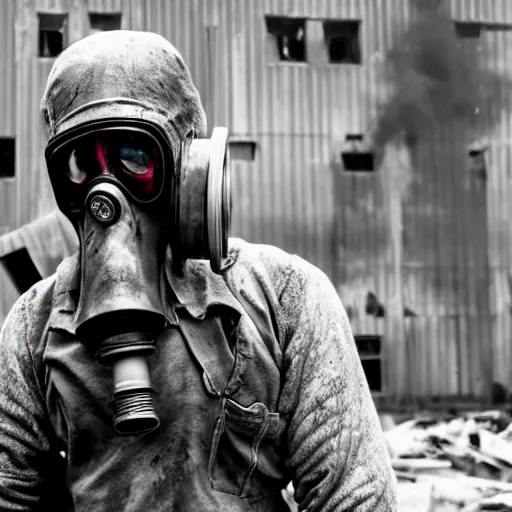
[452, 463]
[459, 463]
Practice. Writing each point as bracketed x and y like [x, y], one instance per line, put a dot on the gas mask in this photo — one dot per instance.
[130, 198]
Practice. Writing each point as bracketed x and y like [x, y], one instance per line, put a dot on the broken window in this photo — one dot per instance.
[474, 29]
[467, 30]
[290, 37]
[369, 349]
[101, 22]
[52, 34]
[242, 150]
[7, 157]
[375, 308]
[355, 156]
[342, 41]
[477, 165]
[21, 269]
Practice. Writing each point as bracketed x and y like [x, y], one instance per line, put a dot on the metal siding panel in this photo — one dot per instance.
[7, 77]
[298, 114]
[198, 61]
[8, 294]
[347, 111]
[26, 48]
[236, 37]
[497, 11]
[41, 194]
[496, 50]
[185, 25]
[282, 198]
[105, 6]
[7, 204]
[7, 110]
[134, 15]
[50, 6]
[451, 245]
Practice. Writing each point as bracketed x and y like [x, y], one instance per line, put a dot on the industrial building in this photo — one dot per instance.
[347, 147]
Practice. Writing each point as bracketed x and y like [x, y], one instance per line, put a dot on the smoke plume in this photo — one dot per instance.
[443, 96]
[438, 80]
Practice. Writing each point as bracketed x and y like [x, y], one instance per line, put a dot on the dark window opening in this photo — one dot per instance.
[21, 269]
[477, 165]
[473, 29]
[468, 30]
[52, 34]
[354, 137]
[375, 308]
[368, 344]
[102, 22]
[355, 161]
[342, 40]
[369, 349]
[290, 37]
[242, 150]
[496, 27]
[355, 157]
[7, 156]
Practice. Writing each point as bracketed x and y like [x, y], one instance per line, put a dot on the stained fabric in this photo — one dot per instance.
[293, 405]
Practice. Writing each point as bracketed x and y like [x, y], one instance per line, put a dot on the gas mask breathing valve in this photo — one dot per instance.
[104, 208]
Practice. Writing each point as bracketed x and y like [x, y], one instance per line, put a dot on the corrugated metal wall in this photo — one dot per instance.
[7, 110]
[8, 204]
[379, 232]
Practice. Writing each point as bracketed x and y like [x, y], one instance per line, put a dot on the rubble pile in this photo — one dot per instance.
[453, 463]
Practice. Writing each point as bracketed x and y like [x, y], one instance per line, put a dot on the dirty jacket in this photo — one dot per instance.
[257, 379]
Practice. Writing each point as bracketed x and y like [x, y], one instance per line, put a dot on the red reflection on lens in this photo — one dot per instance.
[144, 181]
[102, 157]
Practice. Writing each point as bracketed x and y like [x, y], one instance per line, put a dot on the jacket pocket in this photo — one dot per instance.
[245, 459]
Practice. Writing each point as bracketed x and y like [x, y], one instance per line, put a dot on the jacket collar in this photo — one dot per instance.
[196, 288]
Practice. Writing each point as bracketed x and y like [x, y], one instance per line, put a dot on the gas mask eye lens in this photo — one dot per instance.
[75, 173]
[134, 159]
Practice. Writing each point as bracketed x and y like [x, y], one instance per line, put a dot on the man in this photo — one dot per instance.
[136, 378]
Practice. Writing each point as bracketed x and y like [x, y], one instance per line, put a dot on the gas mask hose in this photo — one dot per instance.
[127, 354]
[119, 305]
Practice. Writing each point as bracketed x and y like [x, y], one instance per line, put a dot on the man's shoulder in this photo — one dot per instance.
[33, 308]
[276, 262]
[261, 260]
[277, 271]
[22, 337]
[35, 302]
[249, 253]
